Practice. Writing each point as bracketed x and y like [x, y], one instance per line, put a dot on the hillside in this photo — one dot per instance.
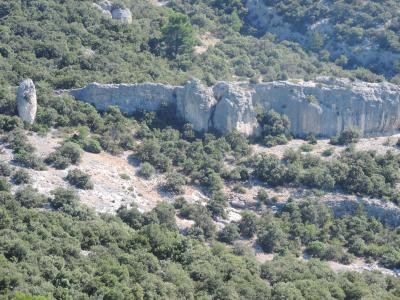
[199, 149]
[352, 33]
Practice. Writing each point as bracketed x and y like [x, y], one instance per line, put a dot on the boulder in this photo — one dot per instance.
[26, 101]
[113, 11]
[121, 14]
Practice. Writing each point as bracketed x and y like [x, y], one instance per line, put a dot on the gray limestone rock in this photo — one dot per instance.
[195, 104]
[324, 107]
[26, 101]
[121, 14]
[234, 110]
[130, 98]
[115, 12]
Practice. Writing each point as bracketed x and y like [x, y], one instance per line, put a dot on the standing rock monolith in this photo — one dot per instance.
[26, 101]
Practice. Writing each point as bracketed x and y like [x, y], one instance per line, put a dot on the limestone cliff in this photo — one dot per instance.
[129, 97]
[195, 104]
[324, 107]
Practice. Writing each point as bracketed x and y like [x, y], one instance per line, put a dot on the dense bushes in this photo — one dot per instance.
[79, 179]
[200, 160]
[365, 173]
[21, 176]
[69, 153]
[150, 259]
[346, 137]
[312, 226]
[351, 23]
[24, 154]
[275, 128]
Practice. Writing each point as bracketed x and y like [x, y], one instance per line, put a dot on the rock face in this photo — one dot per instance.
[234, 111]
[26, 101]
[328, 106]
[130, 98]
[115, 12]
[324, 107]
[195, 104]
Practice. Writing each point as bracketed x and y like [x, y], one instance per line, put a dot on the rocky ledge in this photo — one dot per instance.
[324, 107]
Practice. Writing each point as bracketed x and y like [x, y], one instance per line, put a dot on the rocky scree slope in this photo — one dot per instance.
[324, 107]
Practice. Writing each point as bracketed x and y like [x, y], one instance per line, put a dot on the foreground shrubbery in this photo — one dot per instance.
[150, 259]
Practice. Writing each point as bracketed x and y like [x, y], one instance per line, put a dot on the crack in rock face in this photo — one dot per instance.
[27, 101]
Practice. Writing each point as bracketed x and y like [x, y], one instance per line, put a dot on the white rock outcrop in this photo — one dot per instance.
[234, 110]
[26, 101]
[121, 14]
[113, 11]
[324, 107]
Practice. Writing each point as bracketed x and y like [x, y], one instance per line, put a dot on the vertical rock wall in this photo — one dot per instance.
[324, 107]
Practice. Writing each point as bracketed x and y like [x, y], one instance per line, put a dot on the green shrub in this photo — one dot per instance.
[217, 204]
[146, 170]
[92, 146]
[21, 176]
[306, 148]
[68, 153]
[124, 176]
[312, 140]
[9, 123]
[5, 169]
[175, 182]
[270, 169]
[79, 179]
[4, 185]
[328, 152]
[29, 160]
[29, 197]
[229, 234]
[347, 137]
[64, 199]
[275, 128]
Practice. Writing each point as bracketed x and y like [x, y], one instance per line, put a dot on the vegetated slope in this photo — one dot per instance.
[51, 245]
[68, 44]
[54, 246]
[352, 33]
